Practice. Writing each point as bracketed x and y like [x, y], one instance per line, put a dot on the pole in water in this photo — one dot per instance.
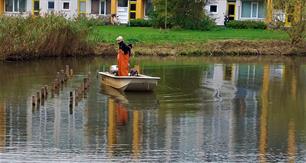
[71, 103]
[85, 83]
[62, 76]
[42, 92]
[52, 90]
[38, 98]
[33, 100]
[46, 92]
[67, 70]
[58, 76]
[71, 72]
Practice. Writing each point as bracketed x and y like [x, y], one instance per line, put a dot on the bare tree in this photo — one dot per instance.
[295, 11]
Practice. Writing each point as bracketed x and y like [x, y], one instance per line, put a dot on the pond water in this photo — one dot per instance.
[204, 109]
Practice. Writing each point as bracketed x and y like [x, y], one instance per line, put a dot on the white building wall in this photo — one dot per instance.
[58, 7]
[29, 6]
[88, 6]
[238, 10]
[221, 10]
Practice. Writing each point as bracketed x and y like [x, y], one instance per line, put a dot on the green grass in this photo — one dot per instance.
[149, 35]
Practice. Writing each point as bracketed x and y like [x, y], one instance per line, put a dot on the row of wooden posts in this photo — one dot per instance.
[61, 78]
[79, 93]
[57, 85]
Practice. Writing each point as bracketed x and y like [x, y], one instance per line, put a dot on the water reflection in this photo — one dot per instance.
[202, 110]
[2, 126]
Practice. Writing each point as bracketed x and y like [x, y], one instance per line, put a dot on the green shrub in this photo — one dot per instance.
[207, 24]
[184, 14]
[51, 35]
[247, 24]
[101, 20]
[140, 23]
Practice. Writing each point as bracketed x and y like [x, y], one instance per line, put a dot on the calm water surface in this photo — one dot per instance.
[204, 109]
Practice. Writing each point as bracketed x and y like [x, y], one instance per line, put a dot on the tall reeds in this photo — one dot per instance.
[50, 35]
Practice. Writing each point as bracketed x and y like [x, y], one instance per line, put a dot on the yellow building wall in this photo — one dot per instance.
[139, 9]
[269, 11]
[297, 12]
[1, 7]
[114, 4]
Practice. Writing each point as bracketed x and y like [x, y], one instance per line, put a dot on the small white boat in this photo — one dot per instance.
[129, 83]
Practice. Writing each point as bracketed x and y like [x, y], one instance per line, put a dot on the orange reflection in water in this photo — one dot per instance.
[122, 114]
[118, 115]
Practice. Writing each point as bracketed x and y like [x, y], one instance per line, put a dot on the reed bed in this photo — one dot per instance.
[50, 35]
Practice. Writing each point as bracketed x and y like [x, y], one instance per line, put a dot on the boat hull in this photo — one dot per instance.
[129, 83]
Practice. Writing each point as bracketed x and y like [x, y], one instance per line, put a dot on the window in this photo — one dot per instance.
[50, 5]
[132, 15]
[66, 5]
[82, 6]
[9, 5]
[102, 7]
[261, 10]
[254, 9]
[246, 9]
[133, 7]
[213, 8]
[15, 5]
[123, 3]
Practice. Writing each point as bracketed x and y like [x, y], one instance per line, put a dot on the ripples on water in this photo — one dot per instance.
[202, 110]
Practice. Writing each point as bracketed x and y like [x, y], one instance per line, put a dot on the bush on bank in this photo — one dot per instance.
[247, 24]
[51, 35]
[140, 23]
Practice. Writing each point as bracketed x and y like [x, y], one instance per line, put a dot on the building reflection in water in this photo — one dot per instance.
[263, 126]
[251, 110]
[2, 126]
[111, 127]
[123, 127]
[291, 141]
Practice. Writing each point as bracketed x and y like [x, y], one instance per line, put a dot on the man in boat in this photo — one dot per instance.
[123, 57]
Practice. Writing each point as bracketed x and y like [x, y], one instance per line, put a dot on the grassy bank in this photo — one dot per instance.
[149, 35]
[22, 38]
[218, 42]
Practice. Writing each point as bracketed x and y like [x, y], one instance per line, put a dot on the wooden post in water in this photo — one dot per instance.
[42, 92]
[62, 76]
[67, 71]
[38, 98]
[85, 83]
[46, 92]
[33, 101]
[58, 76]
[71, 72]
[88, 76]
[71, 103]
[56, 86]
